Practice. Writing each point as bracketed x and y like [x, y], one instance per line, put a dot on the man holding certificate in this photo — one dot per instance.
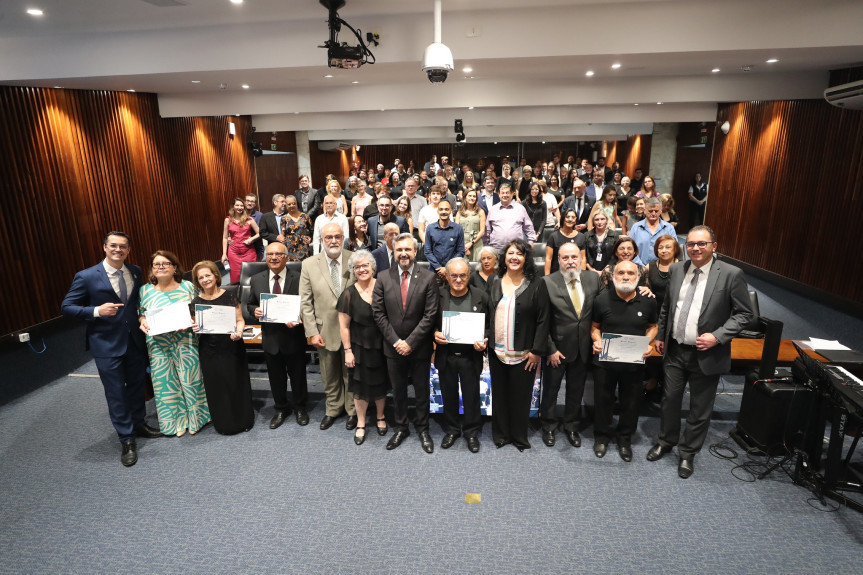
[284, 342]
[461, 338]
[619, 360]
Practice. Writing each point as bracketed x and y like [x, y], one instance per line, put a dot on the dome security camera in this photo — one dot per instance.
[437, 62]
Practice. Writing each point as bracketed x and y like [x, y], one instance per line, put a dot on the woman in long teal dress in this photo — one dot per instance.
[174, 364]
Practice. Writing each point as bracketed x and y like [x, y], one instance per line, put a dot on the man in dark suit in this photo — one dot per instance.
[405, 305]
[571, 292]
[376, 223]
[384, 255]
[284, 344]
[271, 222]
[458, 361]
[705, 307]
[487, 196]
[580, 202]
[106, 297]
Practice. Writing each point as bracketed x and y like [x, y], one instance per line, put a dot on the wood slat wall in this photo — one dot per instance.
[785, 191]
[75, 164]
[632, 154]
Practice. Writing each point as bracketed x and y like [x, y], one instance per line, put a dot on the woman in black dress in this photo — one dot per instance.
[224, 367]
[697, 200]
[567, 234]
[484, 274]
[363, 342]
[537, 209]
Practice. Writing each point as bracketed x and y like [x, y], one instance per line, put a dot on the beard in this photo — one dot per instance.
[333, 251]
[625, 287]
[569, 275]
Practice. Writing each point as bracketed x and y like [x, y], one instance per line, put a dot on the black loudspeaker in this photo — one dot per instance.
[772, 415]
[459, 127]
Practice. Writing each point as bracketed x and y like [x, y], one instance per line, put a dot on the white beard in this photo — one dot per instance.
[624, 288]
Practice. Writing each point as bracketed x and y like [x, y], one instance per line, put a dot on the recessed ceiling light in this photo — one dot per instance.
[715, 70]
[635, 104]
[130, 90]
[196, 81]
[772, 61]
[470, 107]
[589, 73]
[296, 112]
[543, 141]
[383, 109]
[615, 66]
[58, 87]
[659, 103]
[495, 143]
[35, 12]
[467, 69]
[355, 82]
[328, 76]
[236, 1]
[245, 86]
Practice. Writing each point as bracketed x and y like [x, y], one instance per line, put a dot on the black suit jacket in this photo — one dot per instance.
[414, 323]
[569, 204]
[381, 259]
[277, 337]
[531, 316]
[570, 333]
[269, 228]
[478, 304]
[375, 221]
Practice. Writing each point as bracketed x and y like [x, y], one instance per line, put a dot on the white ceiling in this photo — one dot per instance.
[529, 61]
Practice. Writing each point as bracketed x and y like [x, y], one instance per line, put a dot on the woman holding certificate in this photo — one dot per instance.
[174, 364]
[519, 324]
[223, 355]
[363, 344]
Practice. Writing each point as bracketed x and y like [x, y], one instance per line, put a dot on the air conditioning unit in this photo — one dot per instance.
[333, 146]
[846, 95]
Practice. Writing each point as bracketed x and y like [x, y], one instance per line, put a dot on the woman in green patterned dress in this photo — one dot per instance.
[180, 399]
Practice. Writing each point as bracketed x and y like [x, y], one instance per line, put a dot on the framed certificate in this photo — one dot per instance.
[623, 348]
[216, 318]
[463, 327]
[173, 317]
[280, 308]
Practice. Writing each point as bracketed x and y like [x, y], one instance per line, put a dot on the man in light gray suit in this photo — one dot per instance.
[571, 292]
[705, 307]
[322, 279]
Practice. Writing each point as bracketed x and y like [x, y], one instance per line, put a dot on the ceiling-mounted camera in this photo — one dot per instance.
[342, 54]
[437, 60]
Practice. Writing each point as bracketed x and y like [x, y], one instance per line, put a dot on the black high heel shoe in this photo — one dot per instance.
[359, 439]
[382, 430]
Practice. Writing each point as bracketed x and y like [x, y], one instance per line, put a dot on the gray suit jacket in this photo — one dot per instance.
[570, 333]
[724, 312]
[318, 298]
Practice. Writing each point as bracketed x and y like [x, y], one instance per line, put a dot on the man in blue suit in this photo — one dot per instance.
[106, 297]
[376, 223]
[384, 255]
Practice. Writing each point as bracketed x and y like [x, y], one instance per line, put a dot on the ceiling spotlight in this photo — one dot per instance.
[236, 1]
[615, 66]
[130, 90]
[58, 87]
[635, 104]
[245, 86]
[715, 70]
[470, 107]
[771, 61]
[358, 147]
[589, 73]
[196, 81]
[355, 82]
[328, 76]
[495, 143]
[543, 142]
[35, 12]
[659, 103]
[296, 112]
[467, 69]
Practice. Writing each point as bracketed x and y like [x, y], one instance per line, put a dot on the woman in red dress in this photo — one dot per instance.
[238, 239]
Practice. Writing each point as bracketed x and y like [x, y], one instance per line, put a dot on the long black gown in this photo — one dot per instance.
[225, 370]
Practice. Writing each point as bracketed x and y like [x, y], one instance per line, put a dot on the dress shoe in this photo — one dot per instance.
[359, 439]
[351, 423]
[548, 437]
[473, 444]
[130, 453]
[685, 468]
[501, 443]
[397, 439]
[574, 438]
[382, 430]
[657, 452]
[302, 416]
[279, 418]
[144, 430]
[427, 443]
[625, 452]
[599, 449]
[448, 440]
[327, 422]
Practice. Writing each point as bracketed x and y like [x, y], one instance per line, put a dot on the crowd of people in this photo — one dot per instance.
[374, 313]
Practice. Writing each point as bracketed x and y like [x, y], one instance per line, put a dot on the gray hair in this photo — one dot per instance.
[277, 196]
[360, 256]
[490, 250]
[407, 236]
[456, 261]
[652, 202]
[638, 268]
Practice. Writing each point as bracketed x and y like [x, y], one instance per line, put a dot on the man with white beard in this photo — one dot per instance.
[620, 311]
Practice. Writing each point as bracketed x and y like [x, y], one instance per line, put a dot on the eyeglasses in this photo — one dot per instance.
[331, 238]
[360, 267]
[700, 245]
[277, 256]
[159, 265]
[460, 277]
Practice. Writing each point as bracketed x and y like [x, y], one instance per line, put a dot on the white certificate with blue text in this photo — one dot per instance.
[216, 318]
[623, 348]
[463, 327]
[173, 317]
[280, 308]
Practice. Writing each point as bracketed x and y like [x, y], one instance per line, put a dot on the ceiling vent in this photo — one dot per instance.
[848, 96]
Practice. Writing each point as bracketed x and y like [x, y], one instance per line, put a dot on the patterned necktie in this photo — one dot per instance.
[404, 289]
[334, 274]
[576, 299]
[680, 332]
[124, 295]
[276, 287]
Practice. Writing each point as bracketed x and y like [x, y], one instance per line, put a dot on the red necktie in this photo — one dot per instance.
[276, 287]
[404, 289]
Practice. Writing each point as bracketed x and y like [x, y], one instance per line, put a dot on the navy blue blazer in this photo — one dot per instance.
[106, 336]
[495, 199]
[381, 259]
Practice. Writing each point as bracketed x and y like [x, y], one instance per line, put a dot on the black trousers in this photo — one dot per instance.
[417, 369]
[576, 374]
[512, 390]
[681, 365]
[627, 381]
[282, 365]
[464, 368]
